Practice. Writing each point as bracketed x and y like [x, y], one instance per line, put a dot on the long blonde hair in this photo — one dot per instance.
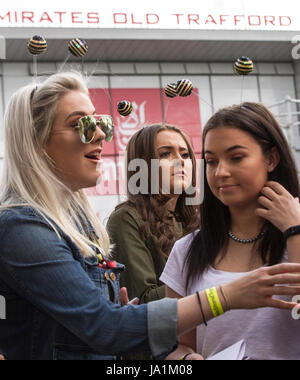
[28, 176]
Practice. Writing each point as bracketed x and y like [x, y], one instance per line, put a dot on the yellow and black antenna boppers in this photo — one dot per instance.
[78, 47]
[125, 108]
[243, 66]
[36, 45]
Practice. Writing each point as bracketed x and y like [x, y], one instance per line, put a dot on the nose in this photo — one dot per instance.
[178, 162]
[222, 170]
[178, 159]
[99, 135]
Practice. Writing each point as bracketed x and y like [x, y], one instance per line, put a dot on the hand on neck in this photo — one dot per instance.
[244, 223]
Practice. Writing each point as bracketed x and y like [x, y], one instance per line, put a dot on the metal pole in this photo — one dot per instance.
[2, 48]
[289, 126]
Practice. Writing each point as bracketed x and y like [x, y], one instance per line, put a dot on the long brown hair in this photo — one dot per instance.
[154, 209]
[258, 121]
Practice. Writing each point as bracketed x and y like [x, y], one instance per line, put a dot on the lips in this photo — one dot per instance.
[181, 173]
[226, 187]
[94, 154]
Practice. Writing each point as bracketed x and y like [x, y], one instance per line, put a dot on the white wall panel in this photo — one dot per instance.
[122, 68]
[275, 89]
[197, 68]
[172, 68]
[228, 90]
[95, 81]
[97, 68]
[147, 68]
[285, 68]
[43, 68]
[266, 68]
[1, 167]
[1, 119]
[222, 68]
[15, 69]
[136, 81]
[12, 84]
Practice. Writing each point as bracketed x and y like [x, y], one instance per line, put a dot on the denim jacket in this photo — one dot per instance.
[61, 306]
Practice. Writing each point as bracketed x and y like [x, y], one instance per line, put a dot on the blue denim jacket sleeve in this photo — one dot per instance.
[40, 267]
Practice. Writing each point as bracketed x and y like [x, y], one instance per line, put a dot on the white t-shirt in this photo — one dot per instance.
[270, 334]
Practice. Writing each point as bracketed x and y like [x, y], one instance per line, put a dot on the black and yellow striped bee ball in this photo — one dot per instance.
[125, 108]
[244, 66]
[184, 87]
[78, 47]
[171, 90]
[37, 45]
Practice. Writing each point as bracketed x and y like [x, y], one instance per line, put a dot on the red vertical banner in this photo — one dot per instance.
[184, 112]
[147, 110]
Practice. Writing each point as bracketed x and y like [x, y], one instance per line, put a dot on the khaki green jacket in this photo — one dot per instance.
[142, 259]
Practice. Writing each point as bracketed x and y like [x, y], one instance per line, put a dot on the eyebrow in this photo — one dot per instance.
[229, 149]
[171, 147]
[78, 113]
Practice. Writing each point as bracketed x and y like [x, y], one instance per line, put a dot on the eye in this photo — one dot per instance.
[74, 123]
[164, 155]
[209, 161]
[185, 155]
[237, 158]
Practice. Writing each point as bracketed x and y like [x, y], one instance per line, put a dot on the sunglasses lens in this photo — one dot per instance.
[88, 124]
[107, 126]
[87, 129]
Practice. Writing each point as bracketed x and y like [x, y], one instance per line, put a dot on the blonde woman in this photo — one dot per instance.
[61, 289]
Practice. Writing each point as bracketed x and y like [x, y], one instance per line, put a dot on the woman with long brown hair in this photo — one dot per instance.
[250, 219]
[145, 227]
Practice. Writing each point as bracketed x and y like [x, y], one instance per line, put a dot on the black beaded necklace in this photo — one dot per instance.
[245, 241]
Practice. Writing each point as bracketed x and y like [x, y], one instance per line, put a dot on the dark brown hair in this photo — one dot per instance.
[154, 209]
[256, 120]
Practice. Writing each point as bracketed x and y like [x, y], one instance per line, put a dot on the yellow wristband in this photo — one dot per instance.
[214, 302]
[186, 355]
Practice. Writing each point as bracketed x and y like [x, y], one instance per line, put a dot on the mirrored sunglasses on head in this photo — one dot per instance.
[87, 127]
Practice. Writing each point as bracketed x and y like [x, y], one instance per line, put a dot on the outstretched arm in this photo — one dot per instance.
[187, 342]
[254, 290]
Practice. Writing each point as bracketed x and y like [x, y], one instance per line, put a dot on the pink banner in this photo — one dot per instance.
[150, 106]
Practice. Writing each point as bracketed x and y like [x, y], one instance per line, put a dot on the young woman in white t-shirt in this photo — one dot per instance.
[250, 218]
